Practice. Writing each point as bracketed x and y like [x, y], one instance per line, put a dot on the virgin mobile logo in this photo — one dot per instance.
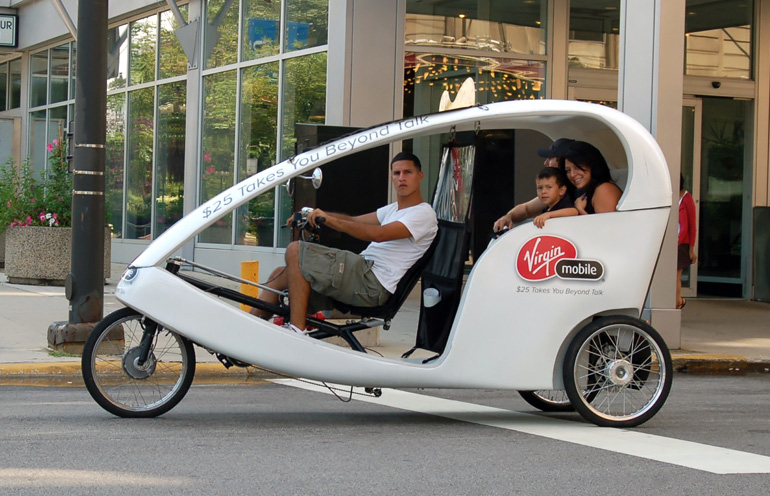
[536, 260]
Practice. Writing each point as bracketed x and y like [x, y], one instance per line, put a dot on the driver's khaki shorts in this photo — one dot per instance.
[339, 275]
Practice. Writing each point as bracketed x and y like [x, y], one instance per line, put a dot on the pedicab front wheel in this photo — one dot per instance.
[617, 372]
[548, 400]
[124, 385]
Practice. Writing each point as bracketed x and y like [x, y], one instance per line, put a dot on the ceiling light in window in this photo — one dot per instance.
[461, 16]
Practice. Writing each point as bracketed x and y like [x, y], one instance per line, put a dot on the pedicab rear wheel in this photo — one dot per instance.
[548, 400]
[617, 372]
[117, 380]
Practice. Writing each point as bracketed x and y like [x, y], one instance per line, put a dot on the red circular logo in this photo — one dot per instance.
[536, 260]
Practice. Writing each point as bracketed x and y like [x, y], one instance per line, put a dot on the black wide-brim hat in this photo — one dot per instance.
[557, 149]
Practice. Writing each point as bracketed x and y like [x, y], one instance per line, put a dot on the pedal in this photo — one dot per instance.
[376, 392]
[230, 362]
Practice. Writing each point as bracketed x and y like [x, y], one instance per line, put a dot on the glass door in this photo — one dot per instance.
[724, 200]
[692, 113]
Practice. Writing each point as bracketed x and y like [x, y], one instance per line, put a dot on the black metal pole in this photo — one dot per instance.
[85, 284]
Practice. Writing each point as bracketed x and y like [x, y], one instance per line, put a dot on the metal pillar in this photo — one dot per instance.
[85, 284]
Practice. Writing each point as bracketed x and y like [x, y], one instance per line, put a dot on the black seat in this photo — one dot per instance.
[403, 289]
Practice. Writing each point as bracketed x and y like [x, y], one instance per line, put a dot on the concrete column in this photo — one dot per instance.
[192, 119]
[557, 71]
[650, 85]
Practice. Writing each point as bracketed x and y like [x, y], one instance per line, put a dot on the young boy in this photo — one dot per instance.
[552, 191]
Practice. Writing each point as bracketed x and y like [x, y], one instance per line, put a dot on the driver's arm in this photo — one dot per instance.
[364, 227]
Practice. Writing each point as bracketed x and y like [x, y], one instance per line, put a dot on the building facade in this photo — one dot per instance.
[204, 93]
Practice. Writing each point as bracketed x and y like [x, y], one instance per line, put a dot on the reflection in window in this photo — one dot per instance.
[594, 34]
[220, 43]
[37, 140]
[304, 95]
[57, 124]
[173, 61]
[427, 76]
[259, 128]
[73, 72]
[14, 69]
[59, 73]
[38, 69]
[115, 146]
[718, 38]
[169, 159]
[508, 26]
[139, 168]
[307, 23]
[117, 57]
[260, 28]
[3, 86]
[142, 49]
[218, 148]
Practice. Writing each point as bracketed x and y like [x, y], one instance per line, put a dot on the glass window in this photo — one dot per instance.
[218, 147]
[14, 70]
[173, 61]
[220, 33]
[258, 129]
[37, 140]
[594, 33]
[307, 23]
[428, 75]
[260, 25]
[142, 49]
[60, 68]
[74, 59]
[169, 159]
[38, 69]
[139, 169]
[115, 148]
[115, 151]
[57, 124]
[304, 95]
[117, 57]
[3, 86]
[718, 38]
[510, 26]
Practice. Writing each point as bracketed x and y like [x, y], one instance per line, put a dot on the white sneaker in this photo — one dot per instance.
[293, 328]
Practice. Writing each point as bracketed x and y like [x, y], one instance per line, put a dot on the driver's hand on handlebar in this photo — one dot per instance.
[502, 223]
[314, 215]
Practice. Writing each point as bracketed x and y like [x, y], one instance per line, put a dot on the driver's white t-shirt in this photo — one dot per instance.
[393, 258]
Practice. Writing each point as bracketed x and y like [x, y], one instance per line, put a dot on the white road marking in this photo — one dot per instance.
[672, 451]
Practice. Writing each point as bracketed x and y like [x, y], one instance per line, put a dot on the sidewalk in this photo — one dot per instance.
[718, 336]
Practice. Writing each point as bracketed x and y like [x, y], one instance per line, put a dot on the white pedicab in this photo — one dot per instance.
[546, 309]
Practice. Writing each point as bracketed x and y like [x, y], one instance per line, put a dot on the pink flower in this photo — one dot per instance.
[8, 204]
[32, 200]
[206, 157]
[49, 147]
[41, 216]
[56, 142]
[29, 220]
[210, 170]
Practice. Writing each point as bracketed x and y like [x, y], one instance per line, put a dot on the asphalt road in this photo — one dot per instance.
[276, 439]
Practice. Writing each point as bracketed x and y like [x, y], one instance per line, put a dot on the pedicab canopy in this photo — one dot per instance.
[627, 146]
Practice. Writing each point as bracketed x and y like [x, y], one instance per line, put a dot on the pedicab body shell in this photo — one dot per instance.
[516, 315]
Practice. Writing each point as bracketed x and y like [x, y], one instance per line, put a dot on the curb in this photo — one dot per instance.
[711, 364]
[205, 372]
[215, 373]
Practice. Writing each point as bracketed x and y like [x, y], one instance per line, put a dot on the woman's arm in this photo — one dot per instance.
[606, 198]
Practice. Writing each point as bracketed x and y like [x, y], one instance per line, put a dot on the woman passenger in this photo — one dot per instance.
[587, 170]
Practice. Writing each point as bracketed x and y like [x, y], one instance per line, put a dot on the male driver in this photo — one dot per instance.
[399, 233]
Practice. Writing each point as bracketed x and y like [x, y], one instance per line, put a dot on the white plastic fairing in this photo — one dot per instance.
[623, 141]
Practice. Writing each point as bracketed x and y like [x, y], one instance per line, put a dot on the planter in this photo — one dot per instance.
[41, 255]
